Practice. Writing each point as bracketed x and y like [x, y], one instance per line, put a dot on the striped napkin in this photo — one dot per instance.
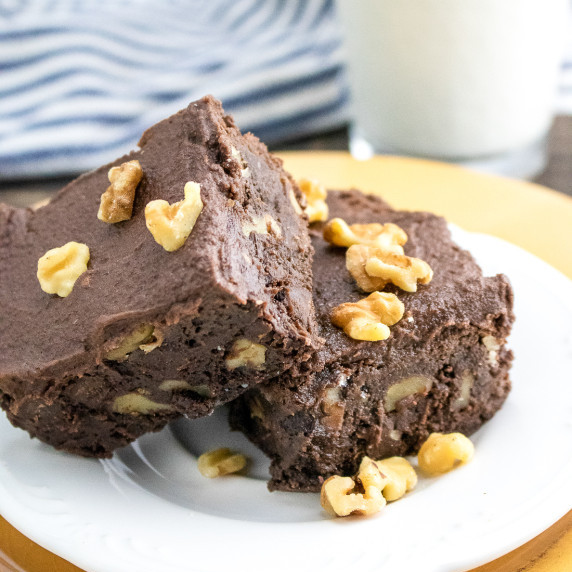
[80, 80]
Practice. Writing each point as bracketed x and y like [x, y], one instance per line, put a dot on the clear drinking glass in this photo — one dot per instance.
[467, 81]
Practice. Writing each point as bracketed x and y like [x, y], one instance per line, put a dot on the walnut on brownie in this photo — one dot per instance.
[188, 281]
[443, 368]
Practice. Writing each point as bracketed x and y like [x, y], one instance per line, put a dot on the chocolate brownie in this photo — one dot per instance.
[444, 367]
[230, 308]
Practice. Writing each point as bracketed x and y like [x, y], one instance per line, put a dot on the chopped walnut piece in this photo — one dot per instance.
[181, 385]
[261, 225]
[375, 255]
[245, 353]
[155, 341]
[244, 169]
[467, 382]
[406, 387]
[202, 389]
[369, 318]
[138, 403]
[41, 204]
[294, 202]
[493, 346]
[140, 338]
[174, 385]
[59, 268]
[316, 209]
[400, 477]
[256, 225]
[220, 462]
[333, 408]
[356, 258]
[442, 453]
[338, 500]
[381, 481]
[388, 236]
[370, 475]
[373, 268]
[117, 201]
[403, 271]
[171, 225]
[395, 434]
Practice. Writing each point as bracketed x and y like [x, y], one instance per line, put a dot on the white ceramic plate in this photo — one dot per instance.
[148, 509]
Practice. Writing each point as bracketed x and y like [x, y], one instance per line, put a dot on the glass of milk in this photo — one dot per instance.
[467, 81]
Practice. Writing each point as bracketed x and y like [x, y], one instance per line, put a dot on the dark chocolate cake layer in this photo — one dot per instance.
[230, 308]
[444, 367]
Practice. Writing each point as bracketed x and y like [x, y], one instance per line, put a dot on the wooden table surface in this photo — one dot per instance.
[551, 551]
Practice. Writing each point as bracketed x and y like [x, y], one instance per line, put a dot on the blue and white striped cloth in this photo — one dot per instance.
[80, 80]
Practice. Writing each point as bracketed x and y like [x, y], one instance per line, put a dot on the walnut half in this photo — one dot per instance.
[315, 193]
[171, 225]
[442, 453]
[59, 268]
[116, 203]
[373, 268]
[369, 318]
[375, 255]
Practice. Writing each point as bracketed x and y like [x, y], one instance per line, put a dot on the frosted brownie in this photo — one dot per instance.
[444, 367]
[149, 334]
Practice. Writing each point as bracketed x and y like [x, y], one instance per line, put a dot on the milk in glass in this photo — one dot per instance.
[453, 79]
